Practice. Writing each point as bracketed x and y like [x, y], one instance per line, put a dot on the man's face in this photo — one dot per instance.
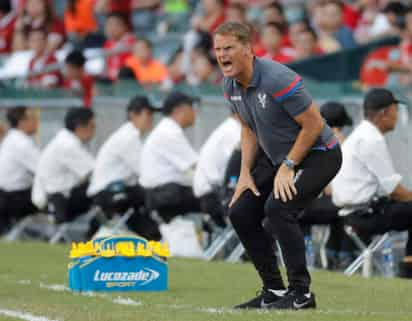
[306, 43]
[30, 123]
[332, 15]
[271, 38]
[142, 120]
[231, 54]
[37, 42]
[115, 28]
[142, 51]
[190, 115]
[391, 116]
[72, 72]
[86, 133]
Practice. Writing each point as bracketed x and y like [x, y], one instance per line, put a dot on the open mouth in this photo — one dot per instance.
[227, 66]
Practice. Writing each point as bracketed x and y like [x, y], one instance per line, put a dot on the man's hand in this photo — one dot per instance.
[245, 182]
[283, 184]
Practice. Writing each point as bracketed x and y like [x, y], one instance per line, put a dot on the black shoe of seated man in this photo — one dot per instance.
[264, 299]
[294, 300]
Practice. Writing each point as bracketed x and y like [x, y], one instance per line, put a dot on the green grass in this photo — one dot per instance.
[198, 291]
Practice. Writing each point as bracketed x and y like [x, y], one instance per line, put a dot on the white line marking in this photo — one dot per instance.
[23, 315]
[126, 301]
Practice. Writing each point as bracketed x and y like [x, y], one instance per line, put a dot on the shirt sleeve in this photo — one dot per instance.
[293, 96]
[31, 155]
[179, 152]
[377, 159]
[79, 160]
[131, 156]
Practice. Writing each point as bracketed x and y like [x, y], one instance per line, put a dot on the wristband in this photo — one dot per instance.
[289, 163]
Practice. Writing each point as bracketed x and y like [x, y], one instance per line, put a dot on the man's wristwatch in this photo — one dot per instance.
[289, 163]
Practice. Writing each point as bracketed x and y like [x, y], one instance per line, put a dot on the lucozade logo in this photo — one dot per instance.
[145, 276]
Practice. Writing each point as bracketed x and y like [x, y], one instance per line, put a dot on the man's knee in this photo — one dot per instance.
[241, 214]
[277, 210]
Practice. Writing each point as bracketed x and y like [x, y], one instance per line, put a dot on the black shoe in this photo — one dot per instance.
[294, 300]
[264, 299]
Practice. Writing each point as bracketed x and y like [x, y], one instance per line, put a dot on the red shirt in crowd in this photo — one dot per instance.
[44, 80]
[83, 86]
[117, 61]
[282, 56]
[351, 16]
[6, 32]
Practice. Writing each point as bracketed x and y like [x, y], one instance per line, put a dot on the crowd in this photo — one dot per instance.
[126, 32]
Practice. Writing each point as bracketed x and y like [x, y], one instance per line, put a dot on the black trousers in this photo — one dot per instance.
[322, 211]
[247, 214]
[211, 203]
[171, 200]
[393, 216]
[67, 208]
[14, 206]
[113, 201]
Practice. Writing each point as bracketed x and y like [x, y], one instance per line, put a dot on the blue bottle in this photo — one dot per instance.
[387, 259]
[310, 252]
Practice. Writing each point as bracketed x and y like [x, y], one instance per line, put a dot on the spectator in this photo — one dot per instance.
[18, 160]
[103, 8]
[175, 68]
[114, 183]
[76, 78]
[144, 15]
[210, 171]
[79, 19]
[168, 160]
[7, 22]
[404, 64]
[388, 22]
[62, 174]
[272, 44]
[333, 34]
[306, 45]
[38, 14]
[367, 173]
[204, 70]
[273, 12]
[367, 11]
[42, 59]
[119, 43]
[236, 12]
[213, 15]
[146, 68]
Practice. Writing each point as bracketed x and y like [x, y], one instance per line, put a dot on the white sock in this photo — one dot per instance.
[278, 292]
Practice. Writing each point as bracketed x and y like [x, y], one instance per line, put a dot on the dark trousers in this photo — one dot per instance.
[392, 216]
[247, 214]
[67, 208]
[211, 203]
[171, 200]
[323, 212]
[112, 201]
[14, 206]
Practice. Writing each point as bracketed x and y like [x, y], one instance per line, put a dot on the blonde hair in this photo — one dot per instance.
[241, 31]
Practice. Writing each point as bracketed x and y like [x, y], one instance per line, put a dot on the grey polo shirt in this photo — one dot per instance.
[268, 106]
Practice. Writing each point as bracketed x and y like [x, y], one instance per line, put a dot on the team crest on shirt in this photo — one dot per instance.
[262, 99]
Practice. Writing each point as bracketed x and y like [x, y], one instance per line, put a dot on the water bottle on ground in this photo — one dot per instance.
[387, 259]
[310, 253]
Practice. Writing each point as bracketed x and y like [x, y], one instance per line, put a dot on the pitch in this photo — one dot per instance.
[34, 287]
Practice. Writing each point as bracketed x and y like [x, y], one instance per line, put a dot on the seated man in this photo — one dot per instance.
[114, 183]
[64, 167]
[168, 160]
[210, 171]
[367, 173]
[18, 160]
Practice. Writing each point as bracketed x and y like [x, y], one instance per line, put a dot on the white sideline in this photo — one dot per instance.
[23, 315]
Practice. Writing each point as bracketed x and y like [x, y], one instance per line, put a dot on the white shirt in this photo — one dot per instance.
[367, 168]
[214, 157]
[166, 156]
[118, 159]
[18, 161]
[64, 164]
